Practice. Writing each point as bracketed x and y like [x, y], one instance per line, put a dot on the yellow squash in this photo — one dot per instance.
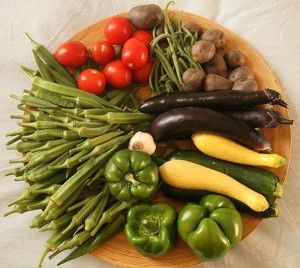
[187, 175]
[229, 150]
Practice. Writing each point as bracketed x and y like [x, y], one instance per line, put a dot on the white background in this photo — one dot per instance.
[270, 27]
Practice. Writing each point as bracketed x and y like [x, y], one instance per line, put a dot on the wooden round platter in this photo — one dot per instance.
[117, 251]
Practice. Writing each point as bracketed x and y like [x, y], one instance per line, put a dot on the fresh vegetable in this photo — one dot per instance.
[117, 74]
[234, 58]
[210, 228]
[241, 73]
[192, 26]
[249, 84]
[182, 122]
[192, 79]
[218, 99]
[144, 36]
[187, 175]
[131, 174]
[229, 150]
[142, 75]
[103, 52]
[117, 30]
[260, 180]
[203, 51]
[216, 36]
[216, 65]
[145, 17]
[134, 54]
[173, 58]
[214, 82]
[151, 228]
[142, 141]
[261, 118]
[92, 80]
[71, 54]
[186, 195]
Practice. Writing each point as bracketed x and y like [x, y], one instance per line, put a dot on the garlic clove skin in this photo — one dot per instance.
[142, 141]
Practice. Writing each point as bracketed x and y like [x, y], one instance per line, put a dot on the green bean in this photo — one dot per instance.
[109, 231]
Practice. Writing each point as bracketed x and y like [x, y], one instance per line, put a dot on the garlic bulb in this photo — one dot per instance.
[142, 141]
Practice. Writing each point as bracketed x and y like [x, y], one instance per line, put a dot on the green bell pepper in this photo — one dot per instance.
[210, 228]
[131, 174]
[151, 228]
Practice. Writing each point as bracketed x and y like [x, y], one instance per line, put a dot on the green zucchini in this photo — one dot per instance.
[186, 195]
[258, 179]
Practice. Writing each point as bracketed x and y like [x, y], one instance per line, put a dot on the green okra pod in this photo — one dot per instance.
[26, 146]
[60, 223]
[73, 183]
[108, 231]
[43, 70]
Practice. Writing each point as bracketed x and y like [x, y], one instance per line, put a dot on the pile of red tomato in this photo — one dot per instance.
[132, 65]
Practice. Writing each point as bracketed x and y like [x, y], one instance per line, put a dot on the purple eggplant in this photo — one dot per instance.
[182, 122]
[267, 118]
[216, 99]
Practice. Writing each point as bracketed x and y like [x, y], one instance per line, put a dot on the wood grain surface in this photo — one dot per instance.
[117, 251]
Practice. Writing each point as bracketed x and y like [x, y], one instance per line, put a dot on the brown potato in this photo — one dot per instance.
[216, 65]
[192, 79]
[192, 26]
[241, 73]
[203, 51]
[215, 36]
[249, 84]
[145, 17]
[234, 58]
[214, 82]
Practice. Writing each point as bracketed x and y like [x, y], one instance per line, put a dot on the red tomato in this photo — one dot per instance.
[103, 52]
[142, 75]
[144, 36]
[117, 30]
[71, 54]
[134, 54]
[117, 74]
[92, 80]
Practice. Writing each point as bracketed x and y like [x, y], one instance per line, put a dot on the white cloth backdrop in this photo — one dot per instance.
[270, 26]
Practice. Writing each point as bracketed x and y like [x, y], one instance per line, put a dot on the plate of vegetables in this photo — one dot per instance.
[155, 97]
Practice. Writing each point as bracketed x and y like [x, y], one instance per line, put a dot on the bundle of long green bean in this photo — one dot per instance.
[173, 58]
[66, 137]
